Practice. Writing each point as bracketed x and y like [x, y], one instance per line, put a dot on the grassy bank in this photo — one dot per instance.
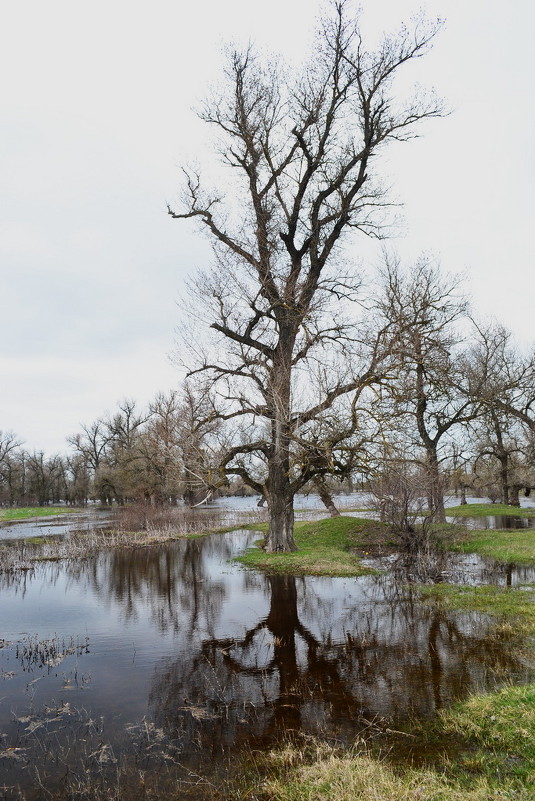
[324, 548]
[511, 545]
[23, 512]
[482, 749]
[488, 510]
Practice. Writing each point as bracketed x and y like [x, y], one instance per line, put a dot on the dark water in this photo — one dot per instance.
[495, 522]
[176, 645]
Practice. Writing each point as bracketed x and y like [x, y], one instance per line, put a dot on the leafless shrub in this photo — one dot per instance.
[178, 519]
[399, 497]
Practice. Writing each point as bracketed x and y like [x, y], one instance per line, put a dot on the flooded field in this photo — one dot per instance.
[170, 660]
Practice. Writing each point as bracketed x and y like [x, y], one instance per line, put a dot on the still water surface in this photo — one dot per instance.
[218, 657]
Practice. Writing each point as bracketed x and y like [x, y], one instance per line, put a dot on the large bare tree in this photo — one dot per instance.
[300, 148]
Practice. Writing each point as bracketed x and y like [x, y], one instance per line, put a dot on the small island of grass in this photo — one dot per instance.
[510, 545]
[25, 512]
[328, 547]
[489, 510]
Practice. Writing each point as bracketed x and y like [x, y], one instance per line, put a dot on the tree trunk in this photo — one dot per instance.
[326, 497]
[504, 478]
[279, 492]
[514, 495]
[281, 513]
[436, 495]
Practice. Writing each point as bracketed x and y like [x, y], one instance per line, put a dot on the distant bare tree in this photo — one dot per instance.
[287, 354]
[506, 377]
[434, 389]
[10, 468]
[8, 443]
[505, 384]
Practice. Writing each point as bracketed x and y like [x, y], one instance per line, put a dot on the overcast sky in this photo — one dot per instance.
[96, 118]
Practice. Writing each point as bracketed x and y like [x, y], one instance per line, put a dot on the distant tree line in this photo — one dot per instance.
[161, 454]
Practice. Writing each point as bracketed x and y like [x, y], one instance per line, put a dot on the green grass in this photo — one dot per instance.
[20, 513]
[510, 545]
[488, 510]
[514, 603]
[323, 548]
[497, 733]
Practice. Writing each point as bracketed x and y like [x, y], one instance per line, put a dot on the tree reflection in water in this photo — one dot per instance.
[227, 657]
[330, 657]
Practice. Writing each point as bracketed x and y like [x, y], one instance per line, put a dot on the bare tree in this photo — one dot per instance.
[435, 388]
[504, 381]
[8, 442]
[506, 376]
[302, 149]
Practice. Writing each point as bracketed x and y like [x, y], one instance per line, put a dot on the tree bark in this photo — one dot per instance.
[281, 513]
[514, 495]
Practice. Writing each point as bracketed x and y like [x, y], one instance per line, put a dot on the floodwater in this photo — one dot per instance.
[501, 522]
[54, 525]
[176, 654]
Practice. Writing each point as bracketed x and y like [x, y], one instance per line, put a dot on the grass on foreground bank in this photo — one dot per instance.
[323, 548]
[482, 749]
[488, 510]
[23, 512]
